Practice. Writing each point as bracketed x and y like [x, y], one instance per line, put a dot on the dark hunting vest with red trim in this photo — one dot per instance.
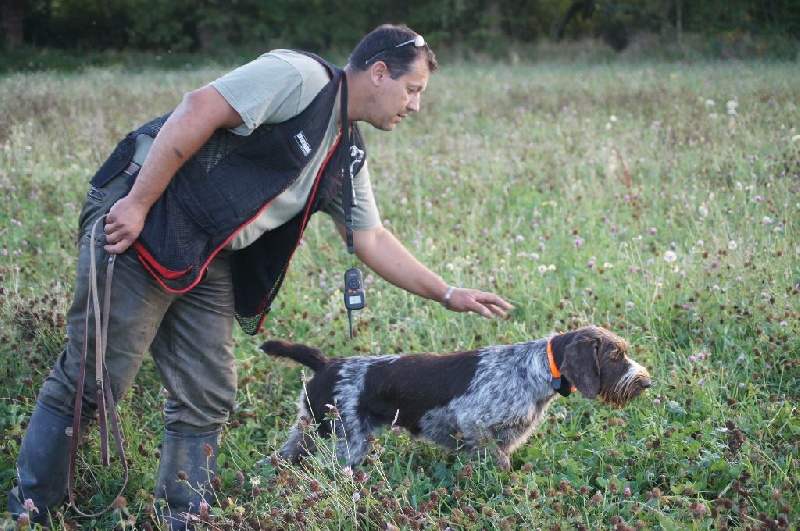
[226, 185]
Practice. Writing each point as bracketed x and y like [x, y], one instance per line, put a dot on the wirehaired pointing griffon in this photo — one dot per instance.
[496, 393]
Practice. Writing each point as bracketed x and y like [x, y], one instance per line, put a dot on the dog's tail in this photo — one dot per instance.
[308, 356]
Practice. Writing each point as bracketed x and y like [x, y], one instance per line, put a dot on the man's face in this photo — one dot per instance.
[394, 99]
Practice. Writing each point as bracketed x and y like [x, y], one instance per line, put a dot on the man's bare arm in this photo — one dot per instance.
[201, 112]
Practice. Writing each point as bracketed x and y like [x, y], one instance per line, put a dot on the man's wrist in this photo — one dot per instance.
[447, 296]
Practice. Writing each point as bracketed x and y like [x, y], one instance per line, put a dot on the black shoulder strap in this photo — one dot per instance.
[348, 193]
[330, 67]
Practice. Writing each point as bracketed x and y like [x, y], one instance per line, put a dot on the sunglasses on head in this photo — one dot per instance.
[419, 42]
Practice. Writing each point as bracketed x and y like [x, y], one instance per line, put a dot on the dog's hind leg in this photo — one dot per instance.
[300, 444]
[353, 442]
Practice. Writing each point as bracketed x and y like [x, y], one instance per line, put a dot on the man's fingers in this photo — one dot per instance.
[117, 241]
[496, 301]
[489, 310]
[497, 310]
[117, 248]
[486, 304]
[495, 304]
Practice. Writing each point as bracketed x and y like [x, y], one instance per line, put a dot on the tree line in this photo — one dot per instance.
[207, 25]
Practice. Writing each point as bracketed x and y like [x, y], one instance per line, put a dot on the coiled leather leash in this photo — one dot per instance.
[104, 395]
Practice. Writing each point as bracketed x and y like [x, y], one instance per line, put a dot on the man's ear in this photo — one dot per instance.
[581, 367]
[378, 71]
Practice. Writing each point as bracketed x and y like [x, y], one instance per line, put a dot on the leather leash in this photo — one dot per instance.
[104, 396]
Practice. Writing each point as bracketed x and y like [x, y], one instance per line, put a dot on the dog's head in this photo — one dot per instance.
[596, 362]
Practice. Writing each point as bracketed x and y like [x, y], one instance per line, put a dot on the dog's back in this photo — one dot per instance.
[308, 356]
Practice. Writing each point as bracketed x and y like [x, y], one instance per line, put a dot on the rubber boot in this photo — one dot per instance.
[42, 465]
[188, 465]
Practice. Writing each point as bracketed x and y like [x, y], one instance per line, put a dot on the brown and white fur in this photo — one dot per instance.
[497, 393]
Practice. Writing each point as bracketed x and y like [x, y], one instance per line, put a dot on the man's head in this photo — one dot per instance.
[398, 47]
[387, 72]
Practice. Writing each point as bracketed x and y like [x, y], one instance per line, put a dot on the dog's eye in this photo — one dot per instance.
[615, 353]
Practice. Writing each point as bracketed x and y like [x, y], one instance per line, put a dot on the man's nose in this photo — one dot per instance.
[413, 105]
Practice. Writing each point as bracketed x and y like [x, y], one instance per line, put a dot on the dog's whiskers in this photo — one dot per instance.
[630, 385]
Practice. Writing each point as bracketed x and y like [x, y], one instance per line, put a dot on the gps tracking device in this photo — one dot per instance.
[354, 297]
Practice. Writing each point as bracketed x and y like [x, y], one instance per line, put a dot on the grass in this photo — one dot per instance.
[658, 199]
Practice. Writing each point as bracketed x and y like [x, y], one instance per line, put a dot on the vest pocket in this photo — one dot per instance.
[116, 163]
[100, 199]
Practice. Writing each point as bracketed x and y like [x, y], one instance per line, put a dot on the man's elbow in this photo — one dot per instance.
[209, 105]
[369, 238]
[367, 243]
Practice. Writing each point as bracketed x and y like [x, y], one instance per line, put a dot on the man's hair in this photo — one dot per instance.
[394, 45]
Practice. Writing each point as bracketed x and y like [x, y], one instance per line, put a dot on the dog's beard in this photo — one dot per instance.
[625, 390]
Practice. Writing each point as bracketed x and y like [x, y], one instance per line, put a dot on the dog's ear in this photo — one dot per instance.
[581, 366]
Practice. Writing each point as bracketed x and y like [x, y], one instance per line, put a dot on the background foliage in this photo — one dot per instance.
[479, 25]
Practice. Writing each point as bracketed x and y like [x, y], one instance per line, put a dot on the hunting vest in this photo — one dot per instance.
[226, 185]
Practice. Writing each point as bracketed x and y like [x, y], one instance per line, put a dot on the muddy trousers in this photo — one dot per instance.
[189, 336]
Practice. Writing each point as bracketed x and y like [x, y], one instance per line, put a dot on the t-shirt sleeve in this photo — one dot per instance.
[272, 88]
[365, 215]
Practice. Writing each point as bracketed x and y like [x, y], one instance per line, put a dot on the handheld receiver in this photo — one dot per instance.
[354, 296]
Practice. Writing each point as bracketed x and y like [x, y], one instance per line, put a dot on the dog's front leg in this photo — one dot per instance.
[502, 460]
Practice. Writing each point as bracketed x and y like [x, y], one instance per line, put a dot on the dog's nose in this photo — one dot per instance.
[646, 382]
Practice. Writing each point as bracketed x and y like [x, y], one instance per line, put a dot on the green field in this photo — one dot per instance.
[659, 200]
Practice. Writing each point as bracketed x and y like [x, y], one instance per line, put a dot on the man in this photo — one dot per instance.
[202, 211]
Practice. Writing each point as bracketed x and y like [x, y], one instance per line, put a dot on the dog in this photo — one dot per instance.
[457, 400]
